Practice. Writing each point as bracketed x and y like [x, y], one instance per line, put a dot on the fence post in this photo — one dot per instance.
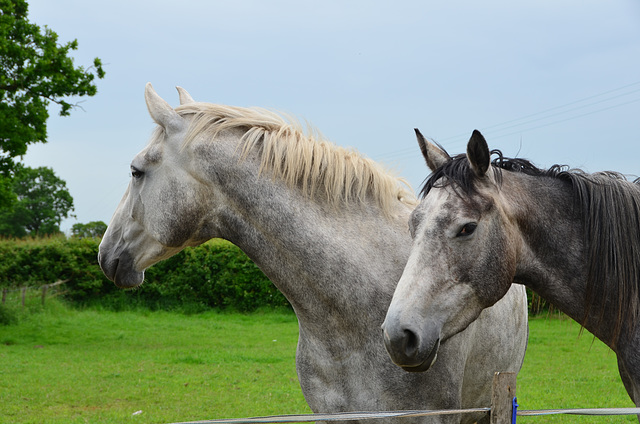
[24, 293]
[44, 292]
[4, 295]
[502, 394]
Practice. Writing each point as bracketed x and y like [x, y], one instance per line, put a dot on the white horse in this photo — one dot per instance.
[327, 226]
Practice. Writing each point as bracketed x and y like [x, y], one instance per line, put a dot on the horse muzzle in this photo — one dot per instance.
[408, 349]
[120, 269]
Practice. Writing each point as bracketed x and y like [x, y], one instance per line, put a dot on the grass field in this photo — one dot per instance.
[564, 370]
[68, 366]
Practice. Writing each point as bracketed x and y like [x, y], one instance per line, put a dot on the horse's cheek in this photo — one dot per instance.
[504, 263]
[182, 217]
[494, 269]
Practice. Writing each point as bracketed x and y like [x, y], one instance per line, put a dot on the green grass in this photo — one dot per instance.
[102, 367]
[60, 365]
[564, 370]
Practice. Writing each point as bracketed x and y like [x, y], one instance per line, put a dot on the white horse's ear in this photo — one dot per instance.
[185, 97]
[161, 112]
[478, 154]
[434, 155]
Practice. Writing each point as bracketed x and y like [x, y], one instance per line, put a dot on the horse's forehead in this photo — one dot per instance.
[438, 200]
[152, 153]
[436, 210]
[443, 201]
[158, 150]
[448, 202]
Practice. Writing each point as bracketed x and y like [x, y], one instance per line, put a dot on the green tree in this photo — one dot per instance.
[90, 229]
[34, 71]
[42, 203]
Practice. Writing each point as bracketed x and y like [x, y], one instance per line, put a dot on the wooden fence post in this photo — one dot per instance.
[44, 293]
[24, 293]
[4, 295]
[502, 394]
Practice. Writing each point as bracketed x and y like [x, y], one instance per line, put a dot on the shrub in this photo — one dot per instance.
[7, 315]
[216, 274]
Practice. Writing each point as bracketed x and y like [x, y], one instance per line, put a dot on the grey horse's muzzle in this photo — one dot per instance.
[407, 349]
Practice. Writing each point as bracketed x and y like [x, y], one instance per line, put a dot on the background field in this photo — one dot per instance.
[565, 370]
[62, 365]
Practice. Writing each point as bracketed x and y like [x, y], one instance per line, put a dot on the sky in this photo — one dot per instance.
[555, 82]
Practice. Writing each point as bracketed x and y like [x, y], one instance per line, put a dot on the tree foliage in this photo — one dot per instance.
[90, 229]
[43, 201]
[34, 71]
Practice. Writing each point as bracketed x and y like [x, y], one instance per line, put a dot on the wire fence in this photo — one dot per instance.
[345, 416]
[41, 291]
[360, 416]
[503, 410]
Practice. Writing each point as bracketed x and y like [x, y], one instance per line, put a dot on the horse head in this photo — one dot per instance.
[162, 209]
[458, 229]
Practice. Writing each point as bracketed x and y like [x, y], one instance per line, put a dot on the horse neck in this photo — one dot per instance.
[326, 260]
[553, 256]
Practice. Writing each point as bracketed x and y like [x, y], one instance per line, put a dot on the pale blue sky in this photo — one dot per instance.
[551, 81]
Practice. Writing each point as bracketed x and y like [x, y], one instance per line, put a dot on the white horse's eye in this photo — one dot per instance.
[467, 229]
[136, 173]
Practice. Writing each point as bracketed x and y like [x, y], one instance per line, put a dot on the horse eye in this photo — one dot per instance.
[467, 229]
[136, 173]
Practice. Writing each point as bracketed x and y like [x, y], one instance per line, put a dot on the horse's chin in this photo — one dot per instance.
[122, 274]
[128, 280]
[427, 363]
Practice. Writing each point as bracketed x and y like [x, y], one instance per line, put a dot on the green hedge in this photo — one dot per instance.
[216, 274]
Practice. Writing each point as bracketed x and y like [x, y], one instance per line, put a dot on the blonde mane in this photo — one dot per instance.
[303, 160]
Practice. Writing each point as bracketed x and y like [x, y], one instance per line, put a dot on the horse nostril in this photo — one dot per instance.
[410, 343]
[411, 349]
[403, 345]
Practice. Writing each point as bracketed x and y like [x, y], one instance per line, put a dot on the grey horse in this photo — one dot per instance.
[483, 225]
[327, 226]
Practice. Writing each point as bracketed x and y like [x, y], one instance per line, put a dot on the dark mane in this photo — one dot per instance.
[458, 173]
[609, 206]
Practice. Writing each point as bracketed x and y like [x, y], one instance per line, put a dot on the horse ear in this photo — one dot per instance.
[434, 155]
[161, 112]
[185, 97]
[478, 154]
